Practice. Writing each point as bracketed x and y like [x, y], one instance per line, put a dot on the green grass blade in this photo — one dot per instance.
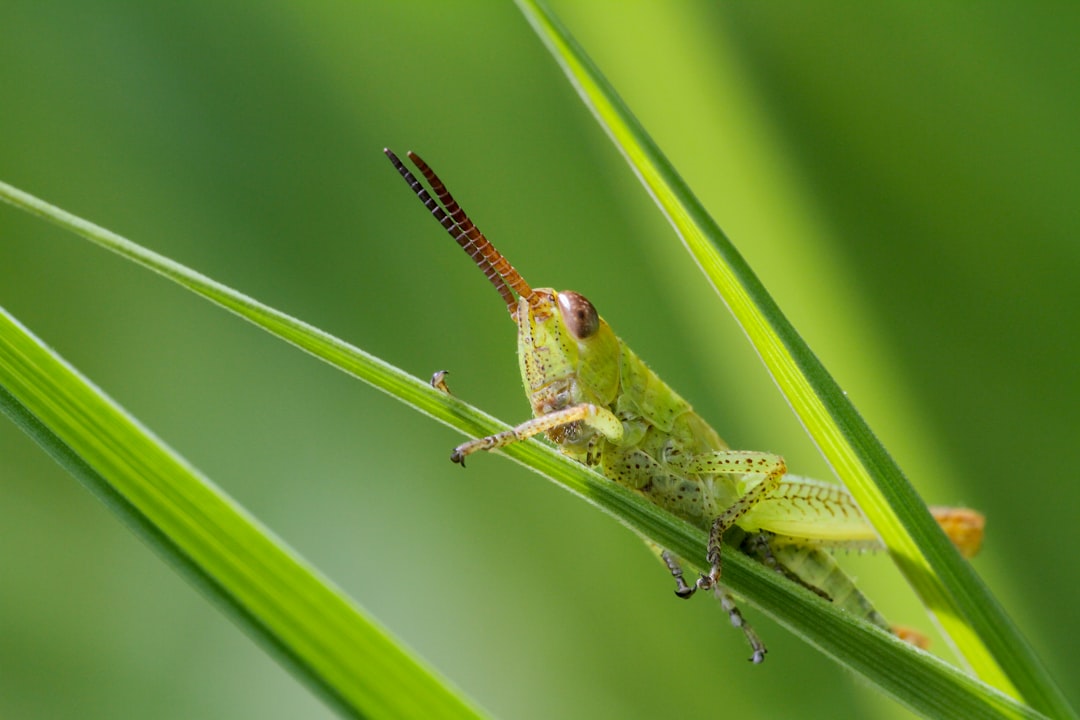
[978, 626]
[917, 679]
[310, 625]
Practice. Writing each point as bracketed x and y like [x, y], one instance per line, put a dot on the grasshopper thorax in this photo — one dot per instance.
[567, 353]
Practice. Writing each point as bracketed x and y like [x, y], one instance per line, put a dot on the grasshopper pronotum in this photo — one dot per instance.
[602, 406]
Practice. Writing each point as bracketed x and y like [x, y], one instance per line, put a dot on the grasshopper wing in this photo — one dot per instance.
[826, 515]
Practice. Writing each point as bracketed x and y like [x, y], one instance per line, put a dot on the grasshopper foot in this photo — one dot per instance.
[757, 648]
[712, 578]
[681, 588]
[458, 457]
[438, 381]
[685, 591]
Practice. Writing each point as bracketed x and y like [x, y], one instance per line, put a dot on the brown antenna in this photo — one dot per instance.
[494, 266]
[493, 256]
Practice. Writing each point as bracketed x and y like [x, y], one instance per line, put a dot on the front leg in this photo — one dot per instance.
[598, 418]
[758, 472]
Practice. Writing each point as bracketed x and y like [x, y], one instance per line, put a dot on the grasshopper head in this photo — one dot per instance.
[566, 351]
[568, 354]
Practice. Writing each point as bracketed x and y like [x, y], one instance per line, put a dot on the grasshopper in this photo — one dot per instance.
[602, 406]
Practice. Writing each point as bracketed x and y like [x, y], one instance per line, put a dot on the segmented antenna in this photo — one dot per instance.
[495, 267]
[493, 256]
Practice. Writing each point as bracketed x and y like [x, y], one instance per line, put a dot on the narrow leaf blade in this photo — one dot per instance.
[272, 593]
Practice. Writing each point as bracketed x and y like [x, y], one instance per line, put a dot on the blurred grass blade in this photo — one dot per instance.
[920, 681]
[962, 604]
[320, 634]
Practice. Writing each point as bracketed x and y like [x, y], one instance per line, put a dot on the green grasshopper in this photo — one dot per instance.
[602, 406]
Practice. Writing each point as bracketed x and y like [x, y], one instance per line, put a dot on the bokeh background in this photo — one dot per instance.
[902, 177]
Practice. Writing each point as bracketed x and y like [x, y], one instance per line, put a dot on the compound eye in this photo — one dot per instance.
[578, 314]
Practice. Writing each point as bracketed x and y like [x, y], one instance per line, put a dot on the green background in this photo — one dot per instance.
[902, 178]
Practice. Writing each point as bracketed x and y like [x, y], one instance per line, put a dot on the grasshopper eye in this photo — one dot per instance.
[578, 314]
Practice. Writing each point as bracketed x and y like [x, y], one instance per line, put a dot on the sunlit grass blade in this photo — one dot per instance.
[273, 594]
[987, 639]
[917, 679]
